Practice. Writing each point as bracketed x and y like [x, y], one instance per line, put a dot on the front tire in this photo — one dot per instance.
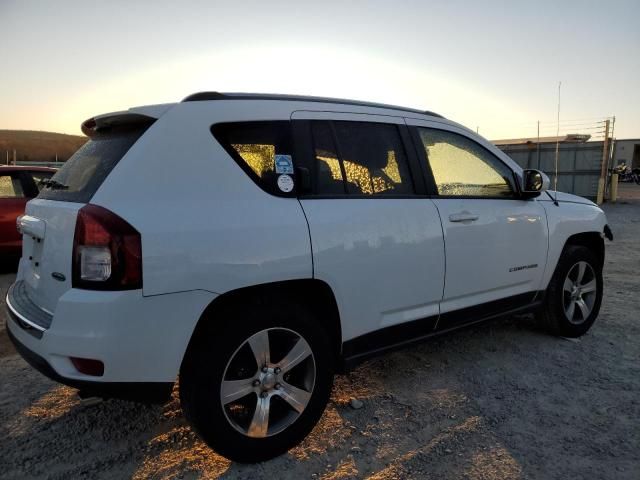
[257, 379]
[574, 294]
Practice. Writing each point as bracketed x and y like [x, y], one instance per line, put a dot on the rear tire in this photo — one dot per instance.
[228, 350]
[574, 294]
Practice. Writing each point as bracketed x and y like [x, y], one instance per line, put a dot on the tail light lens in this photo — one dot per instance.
[107, 252]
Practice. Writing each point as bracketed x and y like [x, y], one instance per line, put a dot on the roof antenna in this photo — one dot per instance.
[555, 180]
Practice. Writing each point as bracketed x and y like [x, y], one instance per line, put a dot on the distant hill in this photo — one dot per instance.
[33, 146]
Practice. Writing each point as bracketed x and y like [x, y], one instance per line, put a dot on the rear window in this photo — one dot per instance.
[81, 176]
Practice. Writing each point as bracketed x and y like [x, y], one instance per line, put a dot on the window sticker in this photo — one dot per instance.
[284, 164]
[285, 183]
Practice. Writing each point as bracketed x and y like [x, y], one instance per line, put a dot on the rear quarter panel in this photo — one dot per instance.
[205, 225]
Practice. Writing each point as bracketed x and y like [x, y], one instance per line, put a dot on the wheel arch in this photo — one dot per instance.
[311, 293]
[591, 240]
[553, 313]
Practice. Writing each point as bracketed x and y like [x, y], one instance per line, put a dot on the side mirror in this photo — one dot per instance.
[533, 183]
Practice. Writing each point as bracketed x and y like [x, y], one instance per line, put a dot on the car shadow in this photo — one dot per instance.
[51, 433]
[459, 406]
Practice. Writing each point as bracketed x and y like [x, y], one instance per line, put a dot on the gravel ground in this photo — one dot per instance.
[494, 402]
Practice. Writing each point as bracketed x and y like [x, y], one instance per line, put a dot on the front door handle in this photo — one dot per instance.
[463, 217]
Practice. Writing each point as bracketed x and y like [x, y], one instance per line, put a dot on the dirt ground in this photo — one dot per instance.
[500, 401]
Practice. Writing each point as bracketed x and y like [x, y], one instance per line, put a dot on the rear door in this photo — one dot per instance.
[51, 218]
[496, 242]
[376, 238]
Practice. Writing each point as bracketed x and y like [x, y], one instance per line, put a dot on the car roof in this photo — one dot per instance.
[25, 168]
[143, 114]
[211, 96]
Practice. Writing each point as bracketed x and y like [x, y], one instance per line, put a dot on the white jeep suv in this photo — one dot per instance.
[255, 244]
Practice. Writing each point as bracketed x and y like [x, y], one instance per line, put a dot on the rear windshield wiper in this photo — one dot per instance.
[53, 184]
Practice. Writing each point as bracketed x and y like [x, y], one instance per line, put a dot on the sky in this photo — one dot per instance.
[491, 65]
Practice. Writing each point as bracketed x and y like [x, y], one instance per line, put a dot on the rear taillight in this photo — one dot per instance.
[107, 252]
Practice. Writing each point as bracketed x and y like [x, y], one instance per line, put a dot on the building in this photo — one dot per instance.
[579, 166]
[568, 138]
[627, 152]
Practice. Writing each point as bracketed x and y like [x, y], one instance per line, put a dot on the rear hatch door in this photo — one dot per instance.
[49, 224]
[47, 243]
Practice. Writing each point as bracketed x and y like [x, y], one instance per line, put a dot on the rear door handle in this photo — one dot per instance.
[463, 217]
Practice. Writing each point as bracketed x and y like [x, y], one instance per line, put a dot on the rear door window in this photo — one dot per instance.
[359, 158]
[81, 176]
[329, 175]
[264, 150]
[373, 158]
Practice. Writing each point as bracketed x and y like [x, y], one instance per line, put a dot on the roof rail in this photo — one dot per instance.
[205, 96]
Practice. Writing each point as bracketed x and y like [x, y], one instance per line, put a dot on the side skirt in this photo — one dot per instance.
[396, 337]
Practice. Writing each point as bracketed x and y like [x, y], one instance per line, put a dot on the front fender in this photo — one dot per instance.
[564, 221]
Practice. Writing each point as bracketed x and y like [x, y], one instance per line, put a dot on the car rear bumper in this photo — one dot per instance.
[25, 312]
[146, 392]
[138, 339]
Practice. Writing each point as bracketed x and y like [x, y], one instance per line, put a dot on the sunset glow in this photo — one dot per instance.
[76, 60]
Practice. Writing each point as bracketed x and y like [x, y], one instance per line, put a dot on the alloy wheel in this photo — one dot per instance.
[268, 382]
[579, 292]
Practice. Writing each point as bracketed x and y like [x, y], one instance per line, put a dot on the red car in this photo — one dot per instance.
[18, 185]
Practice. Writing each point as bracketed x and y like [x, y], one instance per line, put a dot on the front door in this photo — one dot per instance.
[495, 242]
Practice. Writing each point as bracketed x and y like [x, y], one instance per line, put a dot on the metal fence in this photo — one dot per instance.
[579, 164]
[40, 164]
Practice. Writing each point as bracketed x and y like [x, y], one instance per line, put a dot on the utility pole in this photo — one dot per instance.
[605, 163]
[613, 139]
[610, 150]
